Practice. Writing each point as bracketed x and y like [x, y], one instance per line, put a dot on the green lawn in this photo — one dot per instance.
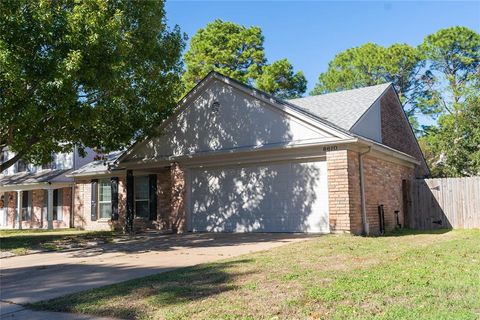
[24, 241]
[403, 276]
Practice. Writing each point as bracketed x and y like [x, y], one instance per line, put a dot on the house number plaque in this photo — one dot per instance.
[330, 148]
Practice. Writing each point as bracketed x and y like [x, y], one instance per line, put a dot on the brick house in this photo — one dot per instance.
[39, 197]
[234, 159]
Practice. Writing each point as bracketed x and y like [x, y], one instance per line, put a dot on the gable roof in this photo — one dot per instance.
[283, 105]
[97, 166]
[336, 112]
[342, 108]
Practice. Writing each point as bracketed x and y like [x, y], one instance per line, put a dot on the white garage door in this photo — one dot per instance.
[283, 197]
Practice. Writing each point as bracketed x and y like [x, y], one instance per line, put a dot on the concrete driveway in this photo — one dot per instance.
[44, 276]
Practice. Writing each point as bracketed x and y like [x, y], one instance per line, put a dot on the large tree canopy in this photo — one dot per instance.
[86, 73]
[453, 147]
[225, 47]
[237, 51]
[453, 61]
[279, 79]
[453, 87]
[372, 64]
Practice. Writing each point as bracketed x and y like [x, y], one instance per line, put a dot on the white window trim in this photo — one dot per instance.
[99, 203]
[135, 200]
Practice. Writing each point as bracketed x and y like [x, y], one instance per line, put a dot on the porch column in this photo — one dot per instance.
[130, 204]
[19, 209]
[50, 208]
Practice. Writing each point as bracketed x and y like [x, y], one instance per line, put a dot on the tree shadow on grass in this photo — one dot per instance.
[411, 232]
[136, 298]
[50, 241]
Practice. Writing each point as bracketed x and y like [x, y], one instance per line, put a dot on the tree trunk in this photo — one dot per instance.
[10, 162]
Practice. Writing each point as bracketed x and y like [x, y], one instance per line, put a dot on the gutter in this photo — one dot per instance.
[388, 150]
[365, 226]
[238, 154]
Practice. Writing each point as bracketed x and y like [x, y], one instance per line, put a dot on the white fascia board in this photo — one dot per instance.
[35, 186]
[389, 151]
[254, 154]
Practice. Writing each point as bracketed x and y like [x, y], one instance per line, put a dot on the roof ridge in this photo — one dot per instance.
[386, 84]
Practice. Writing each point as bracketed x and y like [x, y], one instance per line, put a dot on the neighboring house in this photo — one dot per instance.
[234, 159]
[39, 196]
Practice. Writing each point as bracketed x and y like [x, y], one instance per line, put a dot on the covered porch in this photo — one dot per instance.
[32, 200]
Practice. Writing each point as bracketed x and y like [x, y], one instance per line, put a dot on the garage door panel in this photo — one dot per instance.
[286, 197]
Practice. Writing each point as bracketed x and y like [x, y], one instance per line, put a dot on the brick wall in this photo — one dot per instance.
[82, 201]
[383, 185]
[38, 208]
[67, 203]
[178, 221]
[396, 131]
[11, 209]
[164, 196]
[39, 215]
[344, 191]
[164, 219]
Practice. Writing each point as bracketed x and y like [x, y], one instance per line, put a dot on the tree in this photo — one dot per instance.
[90, 73]
[372, 64]
[453, 87]
[225, 47]
[453, 57]
[453, 147]
[237, 51]
[279, 80]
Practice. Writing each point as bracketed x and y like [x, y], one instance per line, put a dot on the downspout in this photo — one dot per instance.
[366, 229]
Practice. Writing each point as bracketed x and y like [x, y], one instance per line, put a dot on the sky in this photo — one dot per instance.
[310, 33]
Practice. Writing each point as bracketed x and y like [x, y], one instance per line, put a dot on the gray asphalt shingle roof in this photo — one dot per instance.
[98, 165]
[342, 108]
[34, 177]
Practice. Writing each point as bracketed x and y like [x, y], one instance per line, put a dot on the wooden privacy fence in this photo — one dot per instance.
[444, 203]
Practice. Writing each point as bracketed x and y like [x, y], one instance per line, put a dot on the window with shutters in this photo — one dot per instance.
[104, 199]
[58, 204]
[21, 166]
[142, 197]
[26, 205]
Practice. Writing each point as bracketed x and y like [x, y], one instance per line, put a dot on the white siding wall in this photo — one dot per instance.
[370, 124]
[224, 118]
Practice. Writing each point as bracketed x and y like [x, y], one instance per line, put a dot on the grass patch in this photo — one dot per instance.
[23, 241]
[408, 276]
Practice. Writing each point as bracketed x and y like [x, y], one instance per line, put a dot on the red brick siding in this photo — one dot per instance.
[178, 190]
[164, 194]
[83, 198]
[343, 191]
[11, 210]
[383, 185]
[39, 218]
[396, 131]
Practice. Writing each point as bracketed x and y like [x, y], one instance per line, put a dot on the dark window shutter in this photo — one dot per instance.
[152, 181]
[93, 213]
[114, 185]
[129, 206]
